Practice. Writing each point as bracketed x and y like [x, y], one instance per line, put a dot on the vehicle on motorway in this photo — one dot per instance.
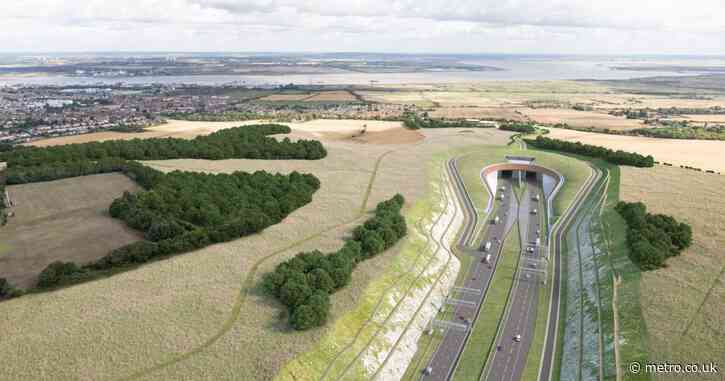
[536, 197]
[535, 211]
[487, 259]
[487, 247]
[496, 220]
[517, 338]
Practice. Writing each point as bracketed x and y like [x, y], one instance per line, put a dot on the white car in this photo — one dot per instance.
[517, 338]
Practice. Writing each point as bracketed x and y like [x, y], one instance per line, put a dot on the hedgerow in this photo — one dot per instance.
[32, 164]
[614, 157]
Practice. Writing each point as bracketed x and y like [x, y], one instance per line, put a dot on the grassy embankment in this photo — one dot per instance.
[361, 332]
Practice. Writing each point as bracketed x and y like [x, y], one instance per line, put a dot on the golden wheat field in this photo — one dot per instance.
[172, 129]
[580, 119]
[197, 315]
[703, 154]
[683, 305]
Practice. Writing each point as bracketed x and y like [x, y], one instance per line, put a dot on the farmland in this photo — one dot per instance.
[326, 96]
[196, 314]
[375, 131]
[172, 129]
[706, 155]
[581, 119]
[61, 220]
[683, 304]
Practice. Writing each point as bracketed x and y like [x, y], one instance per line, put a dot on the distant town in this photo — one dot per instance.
[29, 113]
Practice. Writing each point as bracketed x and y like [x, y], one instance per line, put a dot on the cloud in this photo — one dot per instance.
[565, 26]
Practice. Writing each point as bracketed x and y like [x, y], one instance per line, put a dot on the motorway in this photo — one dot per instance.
[508, 360]
[467, 301]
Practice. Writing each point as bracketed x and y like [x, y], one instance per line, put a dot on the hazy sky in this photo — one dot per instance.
[444, 26]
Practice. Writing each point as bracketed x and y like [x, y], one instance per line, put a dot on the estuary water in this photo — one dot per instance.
[521, 68]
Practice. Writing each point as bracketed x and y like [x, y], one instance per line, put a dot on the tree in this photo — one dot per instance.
[320, 279]
[304, 317]
[372, 243]
[294, 292]
[57, 273]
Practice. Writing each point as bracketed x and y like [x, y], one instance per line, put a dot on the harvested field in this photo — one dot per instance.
[703, 154]
[399, 135]
[173, 129]
[377, 132]
[332, 96]
[325, 129]
[63, 220]
[323, 96]
[195, 316]
[287, 97]
[477, 113]
[704, 118]
[683, 304]
[581, 119]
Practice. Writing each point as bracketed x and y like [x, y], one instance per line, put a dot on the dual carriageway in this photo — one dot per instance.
[530, 210]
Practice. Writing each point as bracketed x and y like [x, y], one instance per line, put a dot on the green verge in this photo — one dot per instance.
[481, 341]
[633, 337]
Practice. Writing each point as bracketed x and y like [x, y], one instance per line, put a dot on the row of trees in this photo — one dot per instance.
[305, 282]
[415, 122]
[524, 128]
[652, 238]
[184, 211]
[248, 142]
[716, 132]
[614, 157]
[63, 170]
